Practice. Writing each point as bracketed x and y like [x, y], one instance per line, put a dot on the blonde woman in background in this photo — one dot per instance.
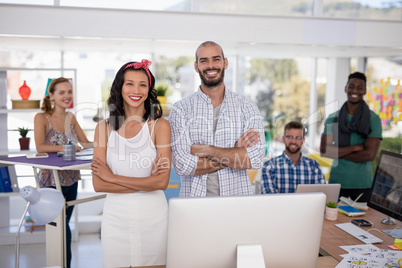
[54, 127]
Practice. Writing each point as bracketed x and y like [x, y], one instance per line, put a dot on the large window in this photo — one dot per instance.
[363, 9]
[352, 9]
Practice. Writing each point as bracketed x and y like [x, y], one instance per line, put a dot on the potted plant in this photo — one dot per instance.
[161, 91]
[270, 129]
[331, 211]
[24, 140]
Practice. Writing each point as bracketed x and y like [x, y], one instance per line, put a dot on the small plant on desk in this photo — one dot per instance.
[331, 211]
[23, 131]
[332, 204]
[24, 140]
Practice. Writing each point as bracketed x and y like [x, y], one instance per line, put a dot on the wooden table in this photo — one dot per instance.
[327, 262]
[332, 237]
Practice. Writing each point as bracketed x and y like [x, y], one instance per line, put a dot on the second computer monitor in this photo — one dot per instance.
[386, 192]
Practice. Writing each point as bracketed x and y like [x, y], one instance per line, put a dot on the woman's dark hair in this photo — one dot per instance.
[152, 105]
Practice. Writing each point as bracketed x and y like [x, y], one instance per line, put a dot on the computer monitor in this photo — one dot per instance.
[330, 190]
[386, 191]
[205, 232]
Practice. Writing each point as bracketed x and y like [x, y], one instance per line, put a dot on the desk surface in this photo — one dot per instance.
[51, 162]
[332, 237]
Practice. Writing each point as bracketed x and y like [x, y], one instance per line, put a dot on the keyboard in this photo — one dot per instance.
[358, 233]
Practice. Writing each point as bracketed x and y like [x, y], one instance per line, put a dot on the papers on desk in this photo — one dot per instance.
[368, 256]
[87, 151]
[85, 154]
[84, 157]
[38, 155]
[352, 203]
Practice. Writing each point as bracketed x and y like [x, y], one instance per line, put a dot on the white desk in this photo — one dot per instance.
[56, 230]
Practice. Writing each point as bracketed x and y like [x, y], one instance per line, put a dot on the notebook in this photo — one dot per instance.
[350, 211]
[330, 190]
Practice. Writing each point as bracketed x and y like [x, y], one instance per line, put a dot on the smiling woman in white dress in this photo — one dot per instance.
[132, 164]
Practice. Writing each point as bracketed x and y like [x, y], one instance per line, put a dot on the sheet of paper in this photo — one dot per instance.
[87, 151]
[350, 202]
[367, 256]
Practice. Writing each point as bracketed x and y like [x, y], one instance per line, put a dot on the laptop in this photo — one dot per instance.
[330, 190]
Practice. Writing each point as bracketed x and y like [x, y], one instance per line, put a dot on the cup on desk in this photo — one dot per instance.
[69, 152]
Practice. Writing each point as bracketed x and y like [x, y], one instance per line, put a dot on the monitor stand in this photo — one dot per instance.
[388, 221]
[250, 255]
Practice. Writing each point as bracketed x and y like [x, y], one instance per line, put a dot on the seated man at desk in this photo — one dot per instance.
[283, 173]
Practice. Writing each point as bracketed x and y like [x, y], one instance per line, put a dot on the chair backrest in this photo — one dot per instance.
[324, 162]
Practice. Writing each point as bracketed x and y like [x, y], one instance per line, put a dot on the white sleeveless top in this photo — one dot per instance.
[134, 225]
[132, 157]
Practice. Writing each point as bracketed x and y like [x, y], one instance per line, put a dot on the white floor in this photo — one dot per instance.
[86, 254]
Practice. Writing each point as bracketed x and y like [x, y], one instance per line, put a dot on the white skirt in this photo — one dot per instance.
[134, 229]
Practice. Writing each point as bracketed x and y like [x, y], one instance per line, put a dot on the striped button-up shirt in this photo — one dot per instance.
[280, 175]
[192, 119]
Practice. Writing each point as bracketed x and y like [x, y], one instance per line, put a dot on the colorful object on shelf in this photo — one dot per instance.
[162, 100]
[25, 91]
[386, 101]
[47, 86]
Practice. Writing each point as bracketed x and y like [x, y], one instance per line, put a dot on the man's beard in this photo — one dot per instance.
[214, 82]
[292, 152]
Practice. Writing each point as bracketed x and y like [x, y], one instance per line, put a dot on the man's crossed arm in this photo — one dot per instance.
[213, 158]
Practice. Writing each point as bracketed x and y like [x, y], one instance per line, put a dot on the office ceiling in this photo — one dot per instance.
[156, 32]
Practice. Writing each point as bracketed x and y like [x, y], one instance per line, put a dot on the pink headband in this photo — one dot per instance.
[144, 64]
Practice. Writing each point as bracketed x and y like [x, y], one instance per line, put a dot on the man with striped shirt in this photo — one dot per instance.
[283, 173]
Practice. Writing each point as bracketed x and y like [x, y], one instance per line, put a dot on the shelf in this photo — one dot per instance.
[36, 236]
[6, 194]
[8, 235]
[7, 111]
